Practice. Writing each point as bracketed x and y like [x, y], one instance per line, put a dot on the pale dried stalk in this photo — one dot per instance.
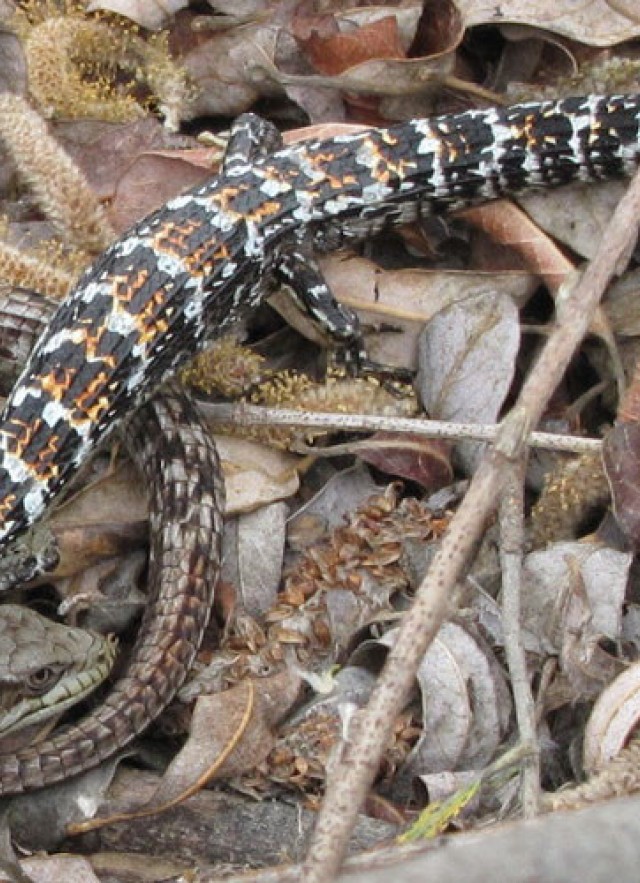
[348, 787]
[59, 187]
[512, 541]
[259, 415]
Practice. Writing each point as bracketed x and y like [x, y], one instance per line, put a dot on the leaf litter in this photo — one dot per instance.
[305, 620]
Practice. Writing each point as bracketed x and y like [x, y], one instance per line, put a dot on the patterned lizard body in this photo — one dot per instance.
[201, 263]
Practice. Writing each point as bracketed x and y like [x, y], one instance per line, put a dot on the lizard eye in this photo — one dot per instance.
[42, 680]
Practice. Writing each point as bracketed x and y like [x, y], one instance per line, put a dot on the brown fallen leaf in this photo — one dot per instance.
[153, 178]
[425, 461]
[337, 51]
[231, 732]
[103, 151]
[509, 226]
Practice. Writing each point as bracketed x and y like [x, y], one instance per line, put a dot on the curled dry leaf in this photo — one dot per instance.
[614, 717]
[574, 596]
[548, 577]
[217, 719]
[252, 556]
[412, 457]
[339, 50]
[479, 700]
[594, 23]
[405, 300]
[231, 733]
[464, 698]
[227, 70]
[360, 53]
[467, 362]
[585, 665]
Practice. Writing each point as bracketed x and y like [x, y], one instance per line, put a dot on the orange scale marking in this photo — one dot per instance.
[91, 404]
[6, 505]
[57, 382]
[126, 286]
[173, 239]
[41, 461]
[90, 342]
[149, 325]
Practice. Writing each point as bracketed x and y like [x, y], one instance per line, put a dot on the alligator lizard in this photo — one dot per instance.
[197, 266]
[177, 458]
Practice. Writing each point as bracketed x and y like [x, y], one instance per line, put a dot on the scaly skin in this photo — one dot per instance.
[176, 456]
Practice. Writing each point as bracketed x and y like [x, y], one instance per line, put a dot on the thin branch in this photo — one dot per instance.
[258, 415]
[511, 555]
[361, 756]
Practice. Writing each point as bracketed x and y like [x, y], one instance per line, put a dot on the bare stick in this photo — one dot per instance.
[259, 415]
[351, 782]
[511, 554]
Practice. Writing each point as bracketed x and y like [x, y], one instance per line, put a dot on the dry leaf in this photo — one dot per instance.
[467, 362]
[579, 218]
[53, 868]
[231, 732]
[594, 23]
[548, 615]
[228, 70]
[413, 457]
[328, 508]
[465, 701]
[338, 51]
[509, 227]
[152, 179]
[252, 556]
[407, 299]
[255, 474]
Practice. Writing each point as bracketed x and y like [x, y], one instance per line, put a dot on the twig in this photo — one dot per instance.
[258, 415]
[351, 782]
[511, 553]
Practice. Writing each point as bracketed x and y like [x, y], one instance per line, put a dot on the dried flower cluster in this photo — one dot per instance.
[572, 492]
[334, 588]
[76, 64]
[231, 369]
